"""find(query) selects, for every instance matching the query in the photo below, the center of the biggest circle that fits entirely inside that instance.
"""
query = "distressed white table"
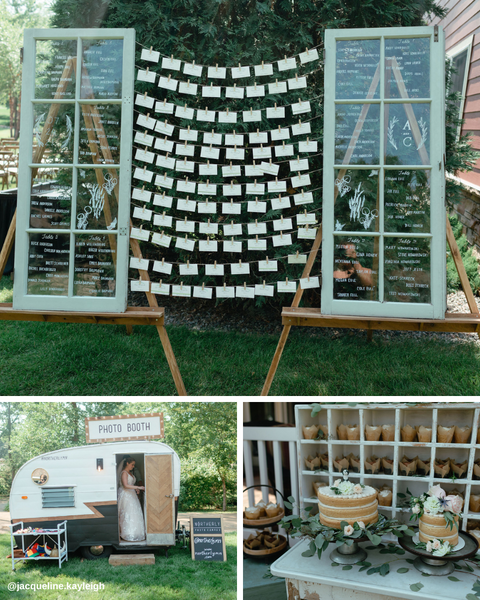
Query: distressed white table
(313, 579)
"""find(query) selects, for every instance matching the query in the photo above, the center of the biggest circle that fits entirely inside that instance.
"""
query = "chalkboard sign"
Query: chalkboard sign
(206, 526)
(207, 539)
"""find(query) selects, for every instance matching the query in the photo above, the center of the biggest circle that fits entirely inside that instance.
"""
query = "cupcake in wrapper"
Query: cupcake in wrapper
(310, 433)
(373, 432)
(385, 498)
(442, 467)
(445, 434)
(252, 513)
(423, 467)
(408, 433)
(474, 504)
(388, 433)
(341, 463)
(408, 466)
(372, 465)
(342, 432)
(272, 510)
(462, 434)
(387, 465)
(424, 434)
(312, 462)
(353, 432)
(324, 429)
(261, 505)
(460, 469)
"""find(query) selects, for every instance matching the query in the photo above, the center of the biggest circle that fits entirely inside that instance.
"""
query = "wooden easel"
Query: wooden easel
(312, 317)
(133, 316)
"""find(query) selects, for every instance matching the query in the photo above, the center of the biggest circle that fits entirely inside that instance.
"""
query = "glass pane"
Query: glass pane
(357, 62)
(407, 201)
(100, 133)
(53, 133)
(355, 268)
(95, 257)
(97, 206)
(407, 134)
(48, 264)
(50, 205)
(407, 68)
(102, 69)
(54, 73)
(357, 134)
(407, 270)
(356, 204)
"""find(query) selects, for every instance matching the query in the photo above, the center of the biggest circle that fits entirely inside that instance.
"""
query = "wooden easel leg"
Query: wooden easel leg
(457, 259)
(129, 329)
(172, 363)
(8, 244)
(369, 335)
(276, 359)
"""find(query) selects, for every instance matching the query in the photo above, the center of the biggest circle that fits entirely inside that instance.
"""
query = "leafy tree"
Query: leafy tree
(15, 16)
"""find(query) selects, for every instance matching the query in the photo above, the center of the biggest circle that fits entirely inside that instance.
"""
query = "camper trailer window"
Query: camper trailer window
(40, 476)
(58, 497)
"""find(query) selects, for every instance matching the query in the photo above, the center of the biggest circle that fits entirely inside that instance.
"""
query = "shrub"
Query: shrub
(470, 262)
(201, 487)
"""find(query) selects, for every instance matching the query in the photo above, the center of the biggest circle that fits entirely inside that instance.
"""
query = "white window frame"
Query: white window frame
(436, 309)
(22, 300)
(465, 44)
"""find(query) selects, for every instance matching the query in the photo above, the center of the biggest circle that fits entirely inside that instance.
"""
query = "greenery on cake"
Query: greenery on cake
(436, 502)
(345, 488)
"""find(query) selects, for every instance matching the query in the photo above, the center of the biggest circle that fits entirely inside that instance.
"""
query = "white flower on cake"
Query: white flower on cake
(337, 482)
(361, 524)
(437, 544)
(346, 487)
(444, 549)
(357, 489)
(432, 506)
(348, 530)
(430, 546)
(416, 509)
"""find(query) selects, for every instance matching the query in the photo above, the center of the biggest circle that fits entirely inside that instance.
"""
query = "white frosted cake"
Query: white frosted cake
(348, 502)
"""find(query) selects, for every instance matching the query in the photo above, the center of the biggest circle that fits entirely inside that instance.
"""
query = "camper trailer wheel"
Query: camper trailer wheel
(95, 552)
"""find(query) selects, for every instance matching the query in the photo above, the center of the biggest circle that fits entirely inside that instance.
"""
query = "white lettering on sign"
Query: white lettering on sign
(127, 427)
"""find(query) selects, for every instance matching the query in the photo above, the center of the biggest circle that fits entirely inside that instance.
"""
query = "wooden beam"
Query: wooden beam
(8, 244)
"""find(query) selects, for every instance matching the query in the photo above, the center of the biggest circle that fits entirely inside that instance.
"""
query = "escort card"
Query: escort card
(207, 152)
(208, 246)
(244, 292)
(279, 87)
(234, 139)
(217, 72)
(225, 292)
(235, 92)
(212, 138)
(255, 189)
(163, 144)
(264, 290)
(160, 288)
(168, 84)
(300, 259)
(140, 286)
(232, 171)
(256, 228)
(286, 286)
(231, 208)
(306, 234)
(214, 270)
(204, 293)
(235, 153)
(145, 101)
(304, 219)
(240, 268)
(269, 168)
(303, 198)
(262, 152)
(277, 112)
(162, 200)
(253, 170)
(297, 83)
(255, 91)
(232, 229)
(161, 239)
(171, 64)
(182, 290)
(259, 137)
(255, 244)
(144, 156)
(186, 205)
(286, 64)
(143, 139)
(146, 121)
(140, 234)
(142, 213)
(251, 116)
(309, 282)
(162, 220)
(162, 267)
(188, 88)
(231, 246)
(164, 107)
(139, 263)
(150, 55)
(240, 72)
(277, 186)
(301, 128)
(192, 69)
(206, 115)
(263, 69)
(307, 146)
(189, 135)
(308, 56)
(211, 91)
(208, 169)
(164, 182)
(164, 128)
(148, 76)
(224, 117)
(286, 150)
(299, 165)
(282, 224)
(205, 208)
(143, 174)
(301, 107)
(207, 189)
(185, 226)
(280, 203)
(257, 207)
(188, 269)
(267, 265)
(185, 149)
(282, 240)
(185, 244)
(300, 180)
(143, 195)
(280, 134)
(232, 190)
(183, 112)
(209, 228)
(185, 166)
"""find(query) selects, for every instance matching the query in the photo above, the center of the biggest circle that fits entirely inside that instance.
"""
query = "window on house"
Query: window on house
(459, 56)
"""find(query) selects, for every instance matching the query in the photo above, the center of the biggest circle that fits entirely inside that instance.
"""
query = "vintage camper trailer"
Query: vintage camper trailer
(80, 484)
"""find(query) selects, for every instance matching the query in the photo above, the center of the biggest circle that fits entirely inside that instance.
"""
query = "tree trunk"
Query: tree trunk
(224, 486)
(75, 422)
(11, 104)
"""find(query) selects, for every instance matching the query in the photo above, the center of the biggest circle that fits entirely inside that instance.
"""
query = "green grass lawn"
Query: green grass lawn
(175, 578)
(72, 359)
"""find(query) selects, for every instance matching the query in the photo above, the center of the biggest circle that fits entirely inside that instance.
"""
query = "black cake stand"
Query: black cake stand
(439, 565)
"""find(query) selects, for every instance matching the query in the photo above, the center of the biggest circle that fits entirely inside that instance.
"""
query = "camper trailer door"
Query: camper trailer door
(160, 502)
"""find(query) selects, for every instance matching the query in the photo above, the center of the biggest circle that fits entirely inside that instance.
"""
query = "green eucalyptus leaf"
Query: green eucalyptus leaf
(288, 505)
(416, 587)
(452, 578)
(403, 570)
(471, 597)
(372, 571)
(347, 568)
(316, 408)
(384, 569)
(334, 564)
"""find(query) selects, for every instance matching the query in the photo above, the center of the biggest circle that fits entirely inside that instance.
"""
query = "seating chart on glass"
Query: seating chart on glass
(384, 225)
(226, 175)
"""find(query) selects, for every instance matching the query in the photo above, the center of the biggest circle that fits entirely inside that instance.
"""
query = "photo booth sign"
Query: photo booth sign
(124, 427)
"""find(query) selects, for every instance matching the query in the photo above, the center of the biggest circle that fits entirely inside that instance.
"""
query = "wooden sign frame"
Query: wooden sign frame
(313, 317)
(154, 315)
(124, 438)
(202, 535)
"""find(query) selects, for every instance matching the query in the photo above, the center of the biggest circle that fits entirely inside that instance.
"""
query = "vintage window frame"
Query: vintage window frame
(466, 44)
(118, 303)
(437, 307)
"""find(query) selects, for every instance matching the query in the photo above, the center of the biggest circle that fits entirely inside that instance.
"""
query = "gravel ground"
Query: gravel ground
(204, 315)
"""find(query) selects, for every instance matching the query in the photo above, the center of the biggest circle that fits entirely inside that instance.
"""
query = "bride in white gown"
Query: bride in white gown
(130, 515)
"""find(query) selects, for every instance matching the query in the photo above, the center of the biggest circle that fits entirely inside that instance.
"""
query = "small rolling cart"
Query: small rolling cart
(56, 537)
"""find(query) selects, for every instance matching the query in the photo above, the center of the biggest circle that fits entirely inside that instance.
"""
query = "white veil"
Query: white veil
(120, 468)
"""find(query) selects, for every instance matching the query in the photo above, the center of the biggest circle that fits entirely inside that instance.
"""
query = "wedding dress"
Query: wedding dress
(130, 515)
